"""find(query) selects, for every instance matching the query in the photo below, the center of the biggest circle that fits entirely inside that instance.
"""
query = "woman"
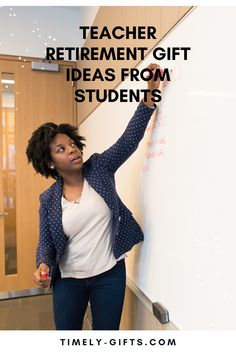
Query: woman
(85, 229)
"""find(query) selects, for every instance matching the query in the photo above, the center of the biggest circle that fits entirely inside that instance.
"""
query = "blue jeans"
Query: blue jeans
(105, 292)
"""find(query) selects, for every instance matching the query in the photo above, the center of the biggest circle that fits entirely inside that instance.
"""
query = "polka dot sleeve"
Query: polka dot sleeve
(45, 250)
(118, 153)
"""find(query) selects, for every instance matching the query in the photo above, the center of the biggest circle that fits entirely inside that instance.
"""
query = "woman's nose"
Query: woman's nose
(72, 149)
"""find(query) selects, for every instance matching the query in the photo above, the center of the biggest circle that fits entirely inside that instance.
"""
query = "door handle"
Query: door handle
(3, 214)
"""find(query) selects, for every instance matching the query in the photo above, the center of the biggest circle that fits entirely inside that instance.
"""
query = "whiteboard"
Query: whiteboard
(180, 183)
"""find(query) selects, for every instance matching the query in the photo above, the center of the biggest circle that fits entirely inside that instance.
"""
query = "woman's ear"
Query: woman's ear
(51, 165)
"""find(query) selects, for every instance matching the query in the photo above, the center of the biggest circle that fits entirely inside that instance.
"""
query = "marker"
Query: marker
(44, 275)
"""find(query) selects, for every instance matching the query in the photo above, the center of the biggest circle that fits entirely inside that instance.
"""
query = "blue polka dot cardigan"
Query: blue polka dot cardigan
(99, 171)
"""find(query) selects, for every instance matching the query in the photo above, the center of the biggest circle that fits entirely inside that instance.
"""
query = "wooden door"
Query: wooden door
(27, 99)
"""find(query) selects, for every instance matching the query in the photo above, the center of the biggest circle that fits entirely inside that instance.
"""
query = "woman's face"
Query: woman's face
(65, 155)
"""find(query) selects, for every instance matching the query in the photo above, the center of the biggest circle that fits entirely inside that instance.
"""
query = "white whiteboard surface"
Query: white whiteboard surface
(181, 182)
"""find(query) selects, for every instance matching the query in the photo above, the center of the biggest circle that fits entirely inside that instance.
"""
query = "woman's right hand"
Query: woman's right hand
(39, 276)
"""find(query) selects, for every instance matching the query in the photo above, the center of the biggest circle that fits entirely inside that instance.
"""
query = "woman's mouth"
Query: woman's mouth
(76, 159)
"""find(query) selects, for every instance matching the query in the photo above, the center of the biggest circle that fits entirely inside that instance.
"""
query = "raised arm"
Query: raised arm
(118, 153)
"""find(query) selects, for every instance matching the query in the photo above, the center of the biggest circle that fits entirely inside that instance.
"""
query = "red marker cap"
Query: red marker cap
(44, 275)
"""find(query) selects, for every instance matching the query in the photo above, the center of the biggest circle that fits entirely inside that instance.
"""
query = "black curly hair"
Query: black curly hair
(38, 148)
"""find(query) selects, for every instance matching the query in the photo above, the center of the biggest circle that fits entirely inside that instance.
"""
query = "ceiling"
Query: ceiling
(27, 30)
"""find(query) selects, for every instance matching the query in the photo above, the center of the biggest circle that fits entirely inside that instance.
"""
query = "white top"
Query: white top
(88, 226)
